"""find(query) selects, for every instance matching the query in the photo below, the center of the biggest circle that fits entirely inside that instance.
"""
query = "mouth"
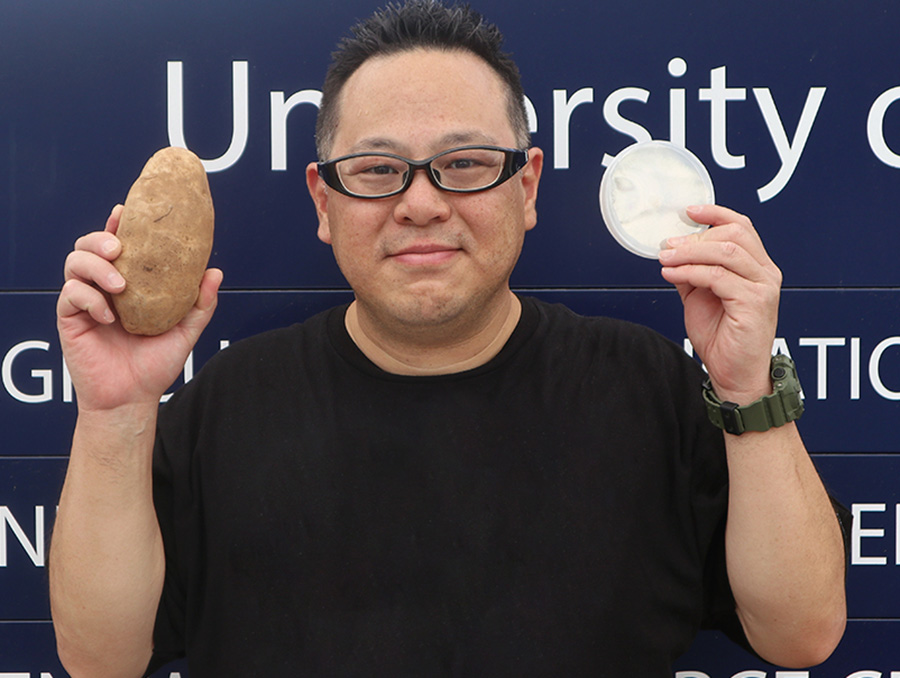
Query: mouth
(425, 254)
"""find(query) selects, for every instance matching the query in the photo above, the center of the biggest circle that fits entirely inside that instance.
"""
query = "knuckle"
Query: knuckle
(777, 275)
(766, 294)
(74, 287)
(70, 296)
(83, 242)
(730, 249)
(75, 262)
(742, 228)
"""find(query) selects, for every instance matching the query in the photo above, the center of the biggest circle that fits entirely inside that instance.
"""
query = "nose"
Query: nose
(422, 203)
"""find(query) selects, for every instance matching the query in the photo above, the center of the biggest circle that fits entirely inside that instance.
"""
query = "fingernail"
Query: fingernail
(109, 246)
(677, 240)
(108, 316)
(666, 254)
(115, 279)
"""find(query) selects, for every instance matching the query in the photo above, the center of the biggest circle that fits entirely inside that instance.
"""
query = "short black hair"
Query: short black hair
(419, 24)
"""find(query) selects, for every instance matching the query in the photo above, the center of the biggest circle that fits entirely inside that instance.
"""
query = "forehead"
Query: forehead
(420, 102)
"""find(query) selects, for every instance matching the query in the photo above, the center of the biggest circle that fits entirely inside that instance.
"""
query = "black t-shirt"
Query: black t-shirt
(558, 511)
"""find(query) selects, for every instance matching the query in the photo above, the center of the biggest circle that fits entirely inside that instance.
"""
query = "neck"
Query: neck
(448, 356)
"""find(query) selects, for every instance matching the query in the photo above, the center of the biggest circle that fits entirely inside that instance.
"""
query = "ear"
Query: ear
(318, 191)
(531, 177)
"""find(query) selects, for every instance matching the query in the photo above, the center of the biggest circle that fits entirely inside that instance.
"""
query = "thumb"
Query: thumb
(199, 316)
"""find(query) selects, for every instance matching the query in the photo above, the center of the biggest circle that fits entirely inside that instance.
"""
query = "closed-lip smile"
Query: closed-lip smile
(428, 253)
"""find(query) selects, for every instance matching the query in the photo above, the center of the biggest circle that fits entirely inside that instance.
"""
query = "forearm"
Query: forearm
(784, 549)
(106, 558)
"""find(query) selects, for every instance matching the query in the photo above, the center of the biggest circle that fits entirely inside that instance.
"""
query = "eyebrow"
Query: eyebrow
(447, 141)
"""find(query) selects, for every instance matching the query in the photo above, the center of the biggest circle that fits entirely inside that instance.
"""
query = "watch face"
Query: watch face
(644, 193)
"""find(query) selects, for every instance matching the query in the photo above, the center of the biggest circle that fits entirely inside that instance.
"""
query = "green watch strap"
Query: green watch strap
(779, 408)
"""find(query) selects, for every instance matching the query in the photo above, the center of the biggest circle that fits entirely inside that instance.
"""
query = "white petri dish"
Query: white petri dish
(644, 193)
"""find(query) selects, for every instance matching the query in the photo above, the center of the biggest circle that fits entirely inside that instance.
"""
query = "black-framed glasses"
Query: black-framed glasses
(466, 169)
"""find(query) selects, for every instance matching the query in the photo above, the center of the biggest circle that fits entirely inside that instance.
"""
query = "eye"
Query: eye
(379, 169)
(470, 160)
(371, 166)
(372, 175)
(462, 163)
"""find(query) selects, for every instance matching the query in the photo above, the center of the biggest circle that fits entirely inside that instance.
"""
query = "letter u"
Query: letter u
(240, 113)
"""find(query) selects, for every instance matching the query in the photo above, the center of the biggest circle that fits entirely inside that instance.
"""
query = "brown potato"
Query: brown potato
(166, 230)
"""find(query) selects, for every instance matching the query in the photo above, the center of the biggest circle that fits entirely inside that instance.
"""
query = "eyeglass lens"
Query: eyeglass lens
(463, 169)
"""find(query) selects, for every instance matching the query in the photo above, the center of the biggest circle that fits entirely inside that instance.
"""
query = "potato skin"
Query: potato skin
(166, 231)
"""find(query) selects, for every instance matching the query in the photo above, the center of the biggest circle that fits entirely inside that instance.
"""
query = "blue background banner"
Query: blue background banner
(794, 110)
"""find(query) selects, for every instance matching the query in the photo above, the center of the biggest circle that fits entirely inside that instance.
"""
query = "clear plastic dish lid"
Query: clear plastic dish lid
(644, 193)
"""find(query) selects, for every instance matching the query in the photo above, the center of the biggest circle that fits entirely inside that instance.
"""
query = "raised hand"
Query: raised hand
(109, 366)
(730, 289)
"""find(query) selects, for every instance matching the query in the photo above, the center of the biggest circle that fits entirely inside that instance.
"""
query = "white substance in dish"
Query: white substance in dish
(645, 195)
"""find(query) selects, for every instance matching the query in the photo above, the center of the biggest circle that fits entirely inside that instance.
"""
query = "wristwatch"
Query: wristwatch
(784, 405)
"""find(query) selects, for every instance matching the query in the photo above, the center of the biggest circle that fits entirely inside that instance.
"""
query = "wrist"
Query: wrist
(118, 436)
(127, 416)
(780, 405)
(753, 382)
(742, 396)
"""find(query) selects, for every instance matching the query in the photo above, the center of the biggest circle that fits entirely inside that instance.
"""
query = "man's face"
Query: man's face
(426, 257)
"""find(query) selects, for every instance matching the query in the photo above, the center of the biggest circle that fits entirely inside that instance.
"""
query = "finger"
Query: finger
(77, 297)
(89, 268)
(209, 289)
(725, 254)
(112, 222)
(731, 225)
(742, 235)
(207, 300)
(737, 245)
(102, 243)
(724, 284)
(715, 215)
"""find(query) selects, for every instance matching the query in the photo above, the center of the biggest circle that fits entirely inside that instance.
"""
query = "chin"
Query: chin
(430, 312)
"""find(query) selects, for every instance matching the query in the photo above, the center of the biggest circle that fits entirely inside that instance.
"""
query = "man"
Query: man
(454, 480)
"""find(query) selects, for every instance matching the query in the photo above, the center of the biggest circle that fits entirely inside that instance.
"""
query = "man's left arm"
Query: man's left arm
(784, 548)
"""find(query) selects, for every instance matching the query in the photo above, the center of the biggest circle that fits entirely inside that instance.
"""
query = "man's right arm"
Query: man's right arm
(106, 559)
